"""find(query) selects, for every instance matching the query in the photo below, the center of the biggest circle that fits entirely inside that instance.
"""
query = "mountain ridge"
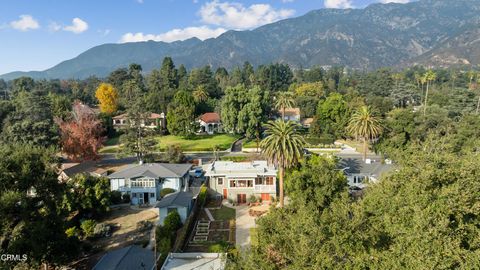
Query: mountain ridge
(428, 32)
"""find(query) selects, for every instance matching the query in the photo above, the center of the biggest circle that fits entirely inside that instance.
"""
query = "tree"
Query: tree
(283, 147)
(284, 100)
(81, 134)
(61, 105)
(428, 77)
(331, 117)
(31, 220)
(108, 98)
(232, 103)
(89, 195)
(200, 95)
(180, 116)
(174, 154)
(251, 116)
(365, 125)
(31, 121)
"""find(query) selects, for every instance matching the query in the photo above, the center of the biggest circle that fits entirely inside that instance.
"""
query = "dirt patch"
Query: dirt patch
(124, 220)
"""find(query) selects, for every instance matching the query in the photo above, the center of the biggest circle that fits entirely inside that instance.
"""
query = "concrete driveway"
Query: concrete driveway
(243, 224)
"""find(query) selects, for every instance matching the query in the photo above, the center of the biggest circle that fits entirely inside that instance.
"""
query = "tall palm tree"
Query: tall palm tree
(364, 125)
(284, 100)
(283, 147)
(200, 94)
(428, 77)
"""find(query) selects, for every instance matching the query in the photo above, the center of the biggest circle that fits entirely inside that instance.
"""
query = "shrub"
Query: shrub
(202, 195)
(174, 154)
(166, 191)
(219, 247)
(252, 199)
(102, 230)
(72, 232)
(116, 197)
(144, 225)
(172, 222)
(88, 228)
(125, 198)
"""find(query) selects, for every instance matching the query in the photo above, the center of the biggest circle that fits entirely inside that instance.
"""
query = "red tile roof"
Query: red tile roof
(210, 117)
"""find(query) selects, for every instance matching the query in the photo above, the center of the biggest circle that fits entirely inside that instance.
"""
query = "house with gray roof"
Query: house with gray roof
(360, 172)
(179, 201)
(127, 258)
(143, 182)
(238, 181)
(197, 261)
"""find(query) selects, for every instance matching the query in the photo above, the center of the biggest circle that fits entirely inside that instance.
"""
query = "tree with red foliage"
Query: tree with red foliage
(81, 134)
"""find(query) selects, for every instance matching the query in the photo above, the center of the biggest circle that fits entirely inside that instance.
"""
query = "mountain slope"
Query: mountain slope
(436, 32)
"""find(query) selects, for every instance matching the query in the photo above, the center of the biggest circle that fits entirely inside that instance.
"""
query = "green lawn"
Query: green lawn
(224, 213)
(253, 237)
(197, 143)
(112, 145)
(250, 144)
(112, 141)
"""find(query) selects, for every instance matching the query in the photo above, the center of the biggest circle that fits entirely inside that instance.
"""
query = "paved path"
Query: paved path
(209, 215)
(243, 224)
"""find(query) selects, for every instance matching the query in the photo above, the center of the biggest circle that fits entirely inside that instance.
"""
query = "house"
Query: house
(291, 114)
(179, 201)
(127, 258)
(237, 181)
(68, 170)
(210, 123)
(197, 261)
(154, 120)
(143, 182)
(306, 122)
(359, 172)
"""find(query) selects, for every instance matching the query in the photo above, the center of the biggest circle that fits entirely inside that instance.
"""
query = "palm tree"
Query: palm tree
(428, 77)
(200, 94)
(365, 125)
(283, 147)
(284, 100)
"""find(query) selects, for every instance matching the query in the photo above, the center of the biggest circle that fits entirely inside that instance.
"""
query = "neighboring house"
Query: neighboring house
(68, 170)
(197, 261)
(359, 173)
(127, 258)
(179, 201)
(291, 114)
(154, 120)
(306, 122)
(239, 180)
(143, 182)
(210, 123)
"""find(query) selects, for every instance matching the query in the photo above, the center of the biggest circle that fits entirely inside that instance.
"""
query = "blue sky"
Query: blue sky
(37, 34)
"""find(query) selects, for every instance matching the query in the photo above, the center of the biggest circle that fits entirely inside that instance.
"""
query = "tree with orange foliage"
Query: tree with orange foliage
(108, 97)
(81, 134)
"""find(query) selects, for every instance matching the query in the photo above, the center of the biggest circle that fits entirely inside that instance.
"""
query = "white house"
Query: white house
(143, 182)
(153, 120)
(197, 261)
(291, 114)
(179, 201)
(239, 180)
(359, 172)
(210, 123)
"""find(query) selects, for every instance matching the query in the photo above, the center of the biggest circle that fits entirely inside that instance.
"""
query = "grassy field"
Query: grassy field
(198, 143)
(224, 213)
(112, 145)
(253, 237)
(250, 144)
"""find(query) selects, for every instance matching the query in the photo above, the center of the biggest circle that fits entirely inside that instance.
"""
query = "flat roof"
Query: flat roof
(240, 169)
(197, 261)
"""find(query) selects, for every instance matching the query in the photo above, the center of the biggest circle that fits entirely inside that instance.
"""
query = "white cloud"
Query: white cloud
(78, 26)
(201, 32)
(25, 23)
(104, 32)
(394, 1)
(236, 16)
(54, 27)
(338, 4)
(140, 1)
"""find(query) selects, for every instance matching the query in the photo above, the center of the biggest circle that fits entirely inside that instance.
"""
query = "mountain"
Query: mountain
(430, 32)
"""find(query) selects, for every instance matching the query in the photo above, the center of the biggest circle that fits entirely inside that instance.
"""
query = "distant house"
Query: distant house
(179, 201)
(127, 258)
(154, 120)
(359, 172)
(143, 182)
(210, 123)
(306, 122)
(292, 114)
(197, 261)
(239, 180)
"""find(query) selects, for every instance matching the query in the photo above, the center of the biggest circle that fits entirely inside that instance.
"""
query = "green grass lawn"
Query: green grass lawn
(250, 144)
(112, 141)
(197, 143)
(112, 145)
(253, 237)
(224, 213)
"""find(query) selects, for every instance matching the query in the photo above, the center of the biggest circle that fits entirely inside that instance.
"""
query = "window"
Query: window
(233, 183)
(259, 181)
(241, 183)
(220, 181)
(269, 180)
(134, 195)
(152, 195)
